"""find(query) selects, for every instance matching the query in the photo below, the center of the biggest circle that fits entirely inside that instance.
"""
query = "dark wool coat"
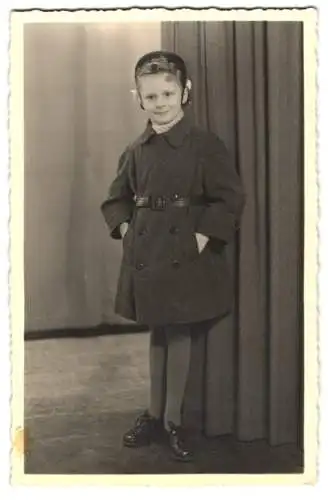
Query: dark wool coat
(163, 277)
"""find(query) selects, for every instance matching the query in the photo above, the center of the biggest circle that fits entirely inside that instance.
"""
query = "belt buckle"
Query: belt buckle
(159, 203)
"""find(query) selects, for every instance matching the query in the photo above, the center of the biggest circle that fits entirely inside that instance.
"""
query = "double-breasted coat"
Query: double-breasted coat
(164, 279)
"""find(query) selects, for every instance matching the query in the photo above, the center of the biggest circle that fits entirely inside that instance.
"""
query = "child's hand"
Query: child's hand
(123, 228)
(201, 241)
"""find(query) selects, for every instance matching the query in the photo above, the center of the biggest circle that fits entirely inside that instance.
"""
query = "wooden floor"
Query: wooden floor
(82, 394)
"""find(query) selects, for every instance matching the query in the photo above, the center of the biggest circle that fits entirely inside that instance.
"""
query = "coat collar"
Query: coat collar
(175, 136)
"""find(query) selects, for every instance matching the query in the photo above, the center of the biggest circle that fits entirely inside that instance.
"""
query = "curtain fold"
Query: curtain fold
(79, 115)
(285, 117)
(247, 87)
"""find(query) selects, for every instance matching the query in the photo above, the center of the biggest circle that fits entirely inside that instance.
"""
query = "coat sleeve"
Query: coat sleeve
(224, 194)
(119, 205)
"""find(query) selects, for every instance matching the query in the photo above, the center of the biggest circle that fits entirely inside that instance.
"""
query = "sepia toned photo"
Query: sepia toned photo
(163, 246)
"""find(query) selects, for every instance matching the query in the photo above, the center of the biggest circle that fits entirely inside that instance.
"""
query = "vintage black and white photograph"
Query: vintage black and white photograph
(167, 178)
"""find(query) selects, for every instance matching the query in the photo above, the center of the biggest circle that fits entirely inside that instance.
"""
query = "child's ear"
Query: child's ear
(140, 101)
(137, 97)
(185, 96)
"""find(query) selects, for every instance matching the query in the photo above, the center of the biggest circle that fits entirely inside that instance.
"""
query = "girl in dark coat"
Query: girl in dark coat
(176, 202)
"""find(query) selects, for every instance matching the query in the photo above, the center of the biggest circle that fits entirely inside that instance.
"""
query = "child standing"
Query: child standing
(176, 202)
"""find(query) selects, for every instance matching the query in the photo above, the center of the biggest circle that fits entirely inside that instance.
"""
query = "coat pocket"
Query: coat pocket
(190, 245)
(216, 246)
(126, 240)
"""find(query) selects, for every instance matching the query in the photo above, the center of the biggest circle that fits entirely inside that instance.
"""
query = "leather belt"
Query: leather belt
(162, 202)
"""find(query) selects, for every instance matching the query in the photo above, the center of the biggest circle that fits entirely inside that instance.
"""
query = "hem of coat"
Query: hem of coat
(214, 318)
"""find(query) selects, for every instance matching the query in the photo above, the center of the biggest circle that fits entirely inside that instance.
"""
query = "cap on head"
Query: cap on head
(162, 61)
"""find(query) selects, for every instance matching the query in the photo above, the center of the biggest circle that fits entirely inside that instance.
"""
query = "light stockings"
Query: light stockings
(157, 369)
(169, 366)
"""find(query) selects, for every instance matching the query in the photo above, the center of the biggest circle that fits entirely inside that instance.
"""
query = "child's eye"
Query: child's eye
(150, 97)
(168, 94)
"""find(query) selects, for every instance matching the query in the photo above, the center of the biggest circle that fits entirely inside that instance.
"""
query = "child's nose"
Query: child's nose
(160, 102)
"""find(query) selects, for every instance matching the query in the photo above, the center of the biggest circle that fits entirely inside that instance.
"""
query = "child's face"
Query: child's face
(160, 95)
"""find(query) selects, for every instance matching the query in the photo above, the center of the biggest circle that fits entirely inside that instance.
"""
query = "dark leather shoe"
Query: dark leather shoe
(146, 430)
(177, 444)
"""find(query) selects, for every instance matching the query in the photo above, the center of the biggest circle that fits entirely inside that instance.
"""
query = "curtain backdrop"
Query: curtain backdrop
(247, 81)
(79, 114)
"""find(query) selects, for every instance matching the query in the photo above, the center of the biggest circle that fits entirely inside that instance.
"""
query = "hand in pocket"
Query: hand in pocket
(201, 241)
(123, 228)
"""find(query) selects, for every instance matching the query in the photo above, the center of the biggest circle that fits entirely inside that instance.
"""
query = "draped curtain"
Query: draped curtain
(79, 115)
(246, 377)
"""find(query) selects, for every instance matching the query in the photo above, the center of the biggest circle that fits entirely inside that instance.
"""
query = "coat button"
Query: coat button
(142, 232)
(174, 229)
(140, 266)
(176, 263)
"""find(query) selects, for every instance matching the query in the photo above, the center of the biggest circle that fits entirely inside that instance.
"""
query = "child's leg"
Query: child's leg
(148, 426)
(178, 359)
(157, 365)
